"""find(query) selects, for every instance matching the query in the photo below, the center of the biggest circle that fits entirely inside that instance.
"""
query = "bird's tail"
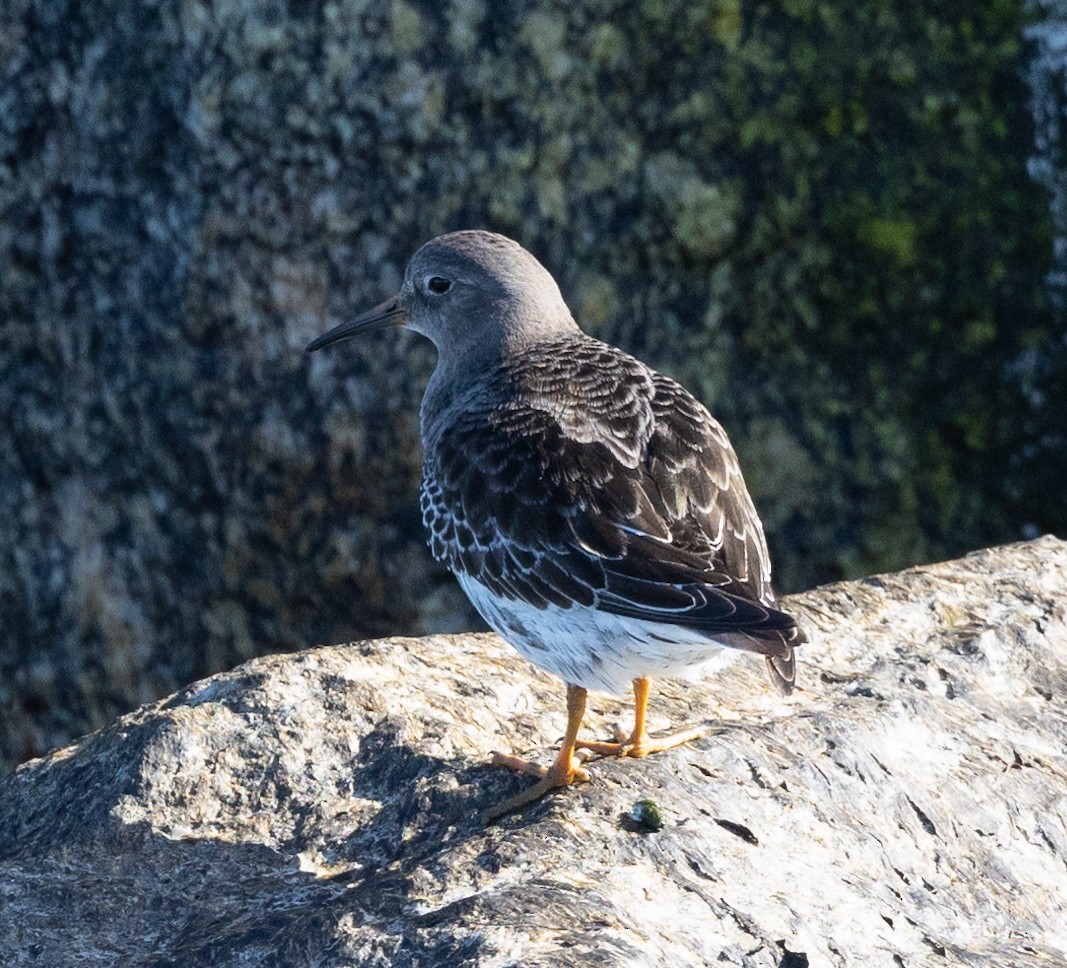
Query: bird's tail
(781, 666)
(782, 671)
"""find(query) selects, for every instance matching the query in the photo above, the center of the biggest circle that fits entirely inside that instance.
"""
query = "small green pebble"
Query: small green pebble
(648, 814)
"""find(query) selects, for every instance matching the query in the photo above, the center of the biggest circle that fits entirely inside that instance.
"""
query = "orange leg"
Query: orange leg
(639, 743)
(564, 771)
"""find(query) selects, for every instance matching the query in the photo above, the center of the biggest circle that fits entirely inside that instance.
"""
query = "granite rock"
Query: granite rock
(906, 806)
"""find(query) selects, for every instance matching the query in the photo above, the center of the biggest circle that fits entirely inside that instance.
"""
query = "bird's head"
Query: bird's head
(474, 294)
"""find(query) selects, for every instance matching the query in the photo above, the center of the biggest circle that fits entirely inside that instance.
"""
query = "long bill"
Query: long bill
(383, 316)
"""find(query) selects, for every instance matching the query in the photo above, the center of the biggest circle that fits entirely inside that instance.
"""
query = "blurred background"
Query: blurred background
(844, 226)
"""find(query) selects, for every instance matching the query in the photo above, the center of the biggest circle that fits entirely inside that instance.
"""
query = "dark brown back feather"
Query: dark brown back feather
(576, 475)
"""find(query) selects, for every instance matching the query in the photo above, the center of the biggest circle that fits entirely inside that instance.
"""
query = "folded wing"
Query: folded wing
(633, 503)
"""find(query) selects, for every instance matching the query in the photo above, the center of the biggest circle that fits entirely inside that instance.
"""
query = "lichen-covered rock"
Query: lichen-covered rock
(818, 217)
(904, 807)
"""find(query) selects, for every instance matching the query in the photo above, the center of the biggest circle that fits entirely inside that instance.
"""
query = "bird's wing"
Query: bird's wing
(620, 493)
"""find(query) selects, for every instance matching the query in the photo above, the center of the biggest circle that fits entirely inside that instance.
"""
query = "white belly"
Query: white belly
(595, 649)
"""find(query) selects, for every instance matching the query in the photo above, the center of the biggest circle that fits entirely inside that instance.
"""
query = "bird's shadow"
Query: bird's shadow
(429, 803)
(225, 896)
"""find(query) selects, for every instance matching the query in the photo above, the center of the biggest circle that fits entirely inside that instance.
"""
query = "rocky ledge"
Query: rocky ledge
(907, 806)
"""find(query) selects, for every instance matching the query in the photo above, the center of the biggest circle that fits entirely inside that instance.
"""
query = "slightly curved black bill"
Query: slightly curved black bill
(384, 315)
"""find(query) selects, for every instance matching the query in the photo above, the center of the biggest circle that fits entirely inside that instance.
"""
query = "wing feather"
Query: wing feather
(632, 502)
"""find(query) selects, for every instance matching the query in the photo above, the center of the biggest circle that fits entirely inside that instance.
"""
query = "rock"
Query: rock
(905, 807)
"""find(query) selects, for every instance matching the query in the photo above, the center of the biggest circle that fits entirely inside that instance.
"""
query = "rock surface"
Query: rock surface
(906, 807)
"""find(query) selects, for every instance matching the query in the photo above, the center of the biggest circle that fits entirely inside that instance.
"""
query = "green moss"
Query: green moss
(896, 239)
(607, 46)
(727, 22)
(597, 304)
(544, 34)
(407, 29)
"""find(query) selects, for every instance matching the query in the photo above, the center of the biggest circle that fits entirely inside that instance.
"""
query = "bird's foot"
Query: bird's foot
(641, 744)
(560, 774)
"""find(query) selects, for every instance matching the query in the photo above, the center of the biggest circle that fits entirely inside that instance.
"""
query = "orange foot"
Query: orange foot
(637, 742)
(563, 772)
(560, 774)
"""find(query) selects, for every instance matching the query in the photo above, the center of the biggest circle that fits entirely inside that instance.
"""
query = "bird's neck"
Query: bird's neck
(465, 366)
(458, 374)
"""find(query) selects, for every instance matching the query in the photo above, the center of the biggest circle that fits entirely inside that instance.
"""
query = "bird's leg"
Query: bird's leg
(565, 770)
(639, 743)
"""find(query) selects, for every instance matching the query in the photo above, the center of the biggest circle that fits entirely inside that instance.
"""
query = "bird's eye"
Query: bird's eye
(439, 284)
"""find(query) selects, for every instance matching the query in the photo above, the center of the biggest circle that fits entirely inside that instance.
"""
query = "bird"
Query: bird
(592, 510)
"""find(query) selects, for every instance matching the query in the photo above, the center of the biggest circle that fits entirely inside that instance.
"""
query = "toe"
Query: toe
(518, 763)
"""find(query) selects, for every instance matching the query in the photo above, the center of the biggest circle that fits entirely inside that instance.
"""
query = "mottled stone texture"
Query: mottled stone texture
(191, 190)
(905, 807)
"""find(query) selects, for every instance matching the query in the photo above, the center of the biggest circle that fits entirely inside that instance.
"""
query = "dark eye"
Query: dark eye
(439, 284)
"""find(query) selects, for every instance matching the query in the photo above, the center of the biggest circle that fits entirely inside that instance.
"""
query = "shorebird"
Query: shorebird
(591, 508)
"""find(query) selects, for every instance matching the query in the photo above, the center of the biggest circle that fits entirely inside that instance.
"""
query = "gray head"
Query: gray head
(477, 295)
